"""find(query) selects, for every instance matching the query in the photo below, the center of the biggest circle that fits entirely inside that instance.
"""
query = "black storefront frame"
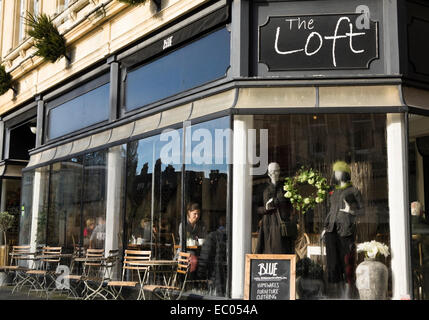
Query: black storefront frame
(216, 20)
(214, 116)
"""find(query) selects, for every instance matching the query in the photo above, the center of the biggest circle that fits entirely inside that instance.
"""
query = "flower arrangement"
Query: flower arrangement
(306, 189)
(373, 249)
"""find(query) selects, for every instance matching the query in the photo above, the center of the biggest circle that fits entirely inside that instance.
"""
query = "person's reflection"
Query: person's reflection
(98, 235)
(144, 231)
(87, 232)
(212, 261)
(420, 247)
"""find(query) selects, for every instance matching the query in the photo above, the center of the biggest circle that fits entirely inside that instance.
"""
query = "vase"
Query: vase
(371, 280)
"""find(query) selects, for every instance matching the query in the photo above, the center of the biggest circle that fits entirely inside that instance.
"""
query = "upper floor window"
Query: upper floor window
(82, 107)
(23, 7)
(195, 64)
(62, 5)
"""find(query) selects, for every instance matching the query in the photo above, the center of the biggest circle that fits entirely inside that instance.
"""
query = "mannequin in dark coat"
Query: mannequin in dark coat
(276, 208)
(345, 204)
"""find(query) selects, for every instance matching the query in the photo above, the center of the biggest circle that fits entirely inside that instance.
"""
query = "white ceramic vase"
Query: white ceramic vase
(371, 280)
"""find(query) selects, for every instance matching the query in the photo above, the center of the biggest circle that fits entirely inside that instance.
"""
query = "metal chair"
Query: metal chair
(133, 262)
(19, 253)
(97, 286)
(179, 281)
(49, 261)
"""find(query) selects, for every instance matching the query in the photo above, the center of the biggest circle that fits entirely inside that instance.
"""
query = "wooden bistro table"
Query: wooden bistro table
(160, 269)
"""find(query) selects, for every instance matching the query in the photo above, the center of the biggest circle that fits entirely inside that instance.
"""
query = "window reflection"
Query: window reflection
(206, 179)
(419, 197)
(197, 63)
(72, 202)
(153, 209)
(324, 242)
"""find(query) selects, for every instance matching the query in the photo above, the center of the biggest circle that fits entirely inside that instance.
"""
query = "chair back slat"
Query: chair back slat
(134, 259)
(51, 251)
(94, 254)
(183, 264)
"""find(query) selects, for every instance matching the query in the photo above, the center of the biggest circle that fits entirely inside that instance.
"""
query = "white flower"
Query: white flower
(373, 248)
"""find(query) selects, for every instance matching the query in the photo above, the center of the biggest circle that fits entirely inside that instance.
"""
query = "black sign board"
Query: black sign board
(270, 277)
(318, 42)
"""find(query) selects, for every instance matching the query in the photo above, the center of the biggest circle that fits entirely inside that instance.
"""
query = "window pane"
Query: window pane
(419, 198)
(73, 212)
(206, 185)
(80, 112)
(94, 200)
(195, 64)
(326, 267)
(64, 215)
(11, 193)
(154, 194)
(26, 208)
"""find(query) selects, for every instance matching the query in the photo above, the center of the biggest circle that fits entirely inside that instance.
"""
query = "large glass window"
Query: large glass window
(349, 151)
(155, 212)
(72, 202)
(206, 185)
(26, 208)
(419, 199)
(197, 63)
(85, 110)
(154, 193)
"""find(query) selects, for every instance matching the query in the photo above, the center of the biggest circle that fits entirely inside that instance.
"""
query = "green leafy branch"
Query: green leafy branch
(50, 44)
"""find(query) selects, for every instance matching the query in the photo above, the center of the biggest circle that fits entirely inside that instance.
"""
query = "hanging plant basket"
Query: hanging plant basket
(5, 81)
(306, 189)
(50, 44)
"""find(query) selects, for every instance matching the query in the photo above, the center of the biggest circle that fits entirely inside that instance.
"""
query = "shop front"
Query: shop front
(185, 140)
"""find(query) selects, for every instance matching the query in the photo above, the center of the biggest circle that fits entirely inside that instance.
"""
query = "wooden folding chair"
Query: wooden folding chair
(49, 261)
(96, 262)
(133, 262)
(179, 281)
(19, 253)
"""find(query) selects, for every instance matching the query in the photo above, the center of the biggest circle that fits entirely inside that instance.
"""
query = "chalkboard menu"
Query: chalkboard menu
(270, 277)
(318, 42)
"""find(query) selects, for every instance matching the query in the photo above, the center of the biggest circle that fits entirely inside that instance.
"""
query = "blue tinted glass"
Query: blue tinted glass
(83, 111)
(195, 64)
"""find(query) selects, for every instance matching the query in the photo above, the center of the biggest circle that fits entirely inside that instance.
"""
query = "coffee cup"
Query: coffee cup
(201, 241)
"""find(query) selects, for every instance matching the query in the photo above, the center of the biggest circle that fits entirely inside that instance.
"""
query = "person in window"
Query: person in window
(98, 235)
(212, 260)
(194, 228)
(87, 232)
(144, 230)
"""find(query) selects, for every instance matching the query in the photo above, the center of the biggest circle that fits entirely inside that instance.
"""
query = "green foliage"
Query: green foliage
(5, 80)
(6, 221)
(50, 44)
(306, 179)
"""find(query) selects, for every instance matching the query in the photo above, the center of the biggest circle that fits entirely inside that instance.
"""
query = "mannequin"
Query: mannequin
(278, 230)
(345, 203)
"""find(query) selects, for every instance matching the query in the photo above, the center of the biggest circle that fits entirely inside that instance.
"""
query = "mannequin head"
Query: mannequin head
(416, 209)
(342, 172)
(274, 172)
